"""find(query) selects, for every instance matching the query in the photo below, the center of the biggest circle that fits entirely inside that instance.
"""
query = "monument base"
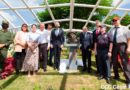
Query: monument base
(73, 66)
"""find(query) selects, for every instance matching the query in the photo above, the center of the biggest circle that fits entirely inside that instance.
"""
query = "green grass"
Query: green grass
(52, 80)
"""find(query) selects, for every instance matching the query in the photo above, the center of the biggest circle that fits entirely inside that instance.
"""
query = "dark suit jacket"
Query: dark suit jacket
(83, 40)
(57, 40)
(95, 37)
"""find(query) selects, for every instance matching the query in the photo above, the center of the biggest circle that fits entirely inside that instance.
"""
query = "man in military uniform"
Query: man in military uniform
(120, 37)
(102, 47)
(6, 38)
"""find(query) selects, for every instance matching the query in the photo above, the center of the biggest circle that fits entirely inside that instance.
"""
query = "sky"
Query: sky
(28, 16)
(125, 4)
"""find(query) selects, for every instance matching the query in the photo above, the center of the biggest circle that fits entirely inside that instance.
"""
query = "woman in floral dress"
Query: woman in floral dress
(31, 60)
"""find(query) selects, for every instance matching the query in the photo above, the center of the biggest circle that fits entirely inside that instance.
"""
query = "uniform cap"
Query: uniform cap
(5, 22)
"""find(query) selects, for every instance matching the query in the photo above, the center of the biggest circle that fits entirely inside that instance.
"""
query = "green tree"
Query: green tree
(125, 21)
(79, 12)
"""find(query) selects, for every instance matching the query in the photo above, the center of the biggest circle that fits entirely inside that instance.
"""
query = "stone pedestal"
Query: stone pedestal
(73, 66)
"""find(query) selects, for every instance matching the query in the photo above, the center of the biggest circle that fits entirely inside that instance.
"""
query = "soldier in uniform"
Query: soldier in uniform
(6, 38)
(102, 47)
(120, 45)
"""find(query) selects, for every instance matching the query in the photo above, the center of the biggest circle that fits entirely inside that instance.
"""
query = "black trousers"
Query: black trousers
(57, 53)
(43, 56)
(103, 62)
(86, 56)
(19, 58)
(97, 61)
(50, 56)
(120, 49)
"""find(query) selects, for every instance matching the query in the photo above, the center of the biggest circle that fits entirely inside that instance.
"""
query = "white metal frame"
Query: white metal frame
(71, 19)
(71, 14)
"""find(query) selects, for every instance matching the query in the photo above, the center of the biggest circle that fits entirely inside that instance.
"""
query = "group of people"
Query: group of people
(31, 48)
(111, 48)
(37, 43)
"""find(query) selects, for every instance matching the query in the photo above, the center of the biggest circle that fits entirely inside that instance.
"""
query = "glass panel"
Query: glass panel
(118, 12)
(106, 2)
(2, 4)
(43, 15)
(16, 3)
(58, 1)
(82, 13)
(124, 4)
(10, 15)
(78, 25)
(93, 2)
(28, 16)
(64, 25)
(114, 13)
(100, 14)
(126, 20)
(61, 12)
(34, 2)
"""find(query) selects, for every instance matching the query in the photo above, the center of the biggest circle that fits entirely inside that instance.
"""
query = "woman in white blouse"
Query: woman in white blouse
(31, 60)
(20, 46)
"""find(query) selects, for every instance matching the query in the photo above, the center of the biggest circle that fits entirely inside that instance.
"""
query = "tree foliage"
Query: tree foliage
(125, 21)
(79, 12)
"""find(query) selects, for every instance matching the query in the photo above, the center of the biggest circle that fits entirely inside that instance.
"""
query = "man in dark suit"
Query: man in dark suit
(57, 41)
(86, 44)
(96, 33)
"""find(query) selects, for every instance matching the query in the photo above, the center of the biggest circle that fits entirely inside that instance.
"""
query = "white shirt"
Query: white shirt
(57, 32)
(49, 36)
(33, 37)
(44, 36)
(123, 33)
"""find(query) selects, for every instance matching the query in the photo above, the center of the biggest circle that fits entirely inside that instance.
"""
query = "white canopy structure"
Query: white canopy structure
(17, 12)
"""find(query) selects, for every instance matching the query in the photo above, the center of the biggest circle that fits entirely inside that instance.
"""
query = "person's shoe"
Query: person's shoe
(84, 69)
(17, 72)
(117, 78)
(50, 64)
(89, 71)
(100, 77)
(36, 71)
(76, 63)
(108, 80)
(45, 70)
(67, 67)
(54, 67)
(58, 69)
